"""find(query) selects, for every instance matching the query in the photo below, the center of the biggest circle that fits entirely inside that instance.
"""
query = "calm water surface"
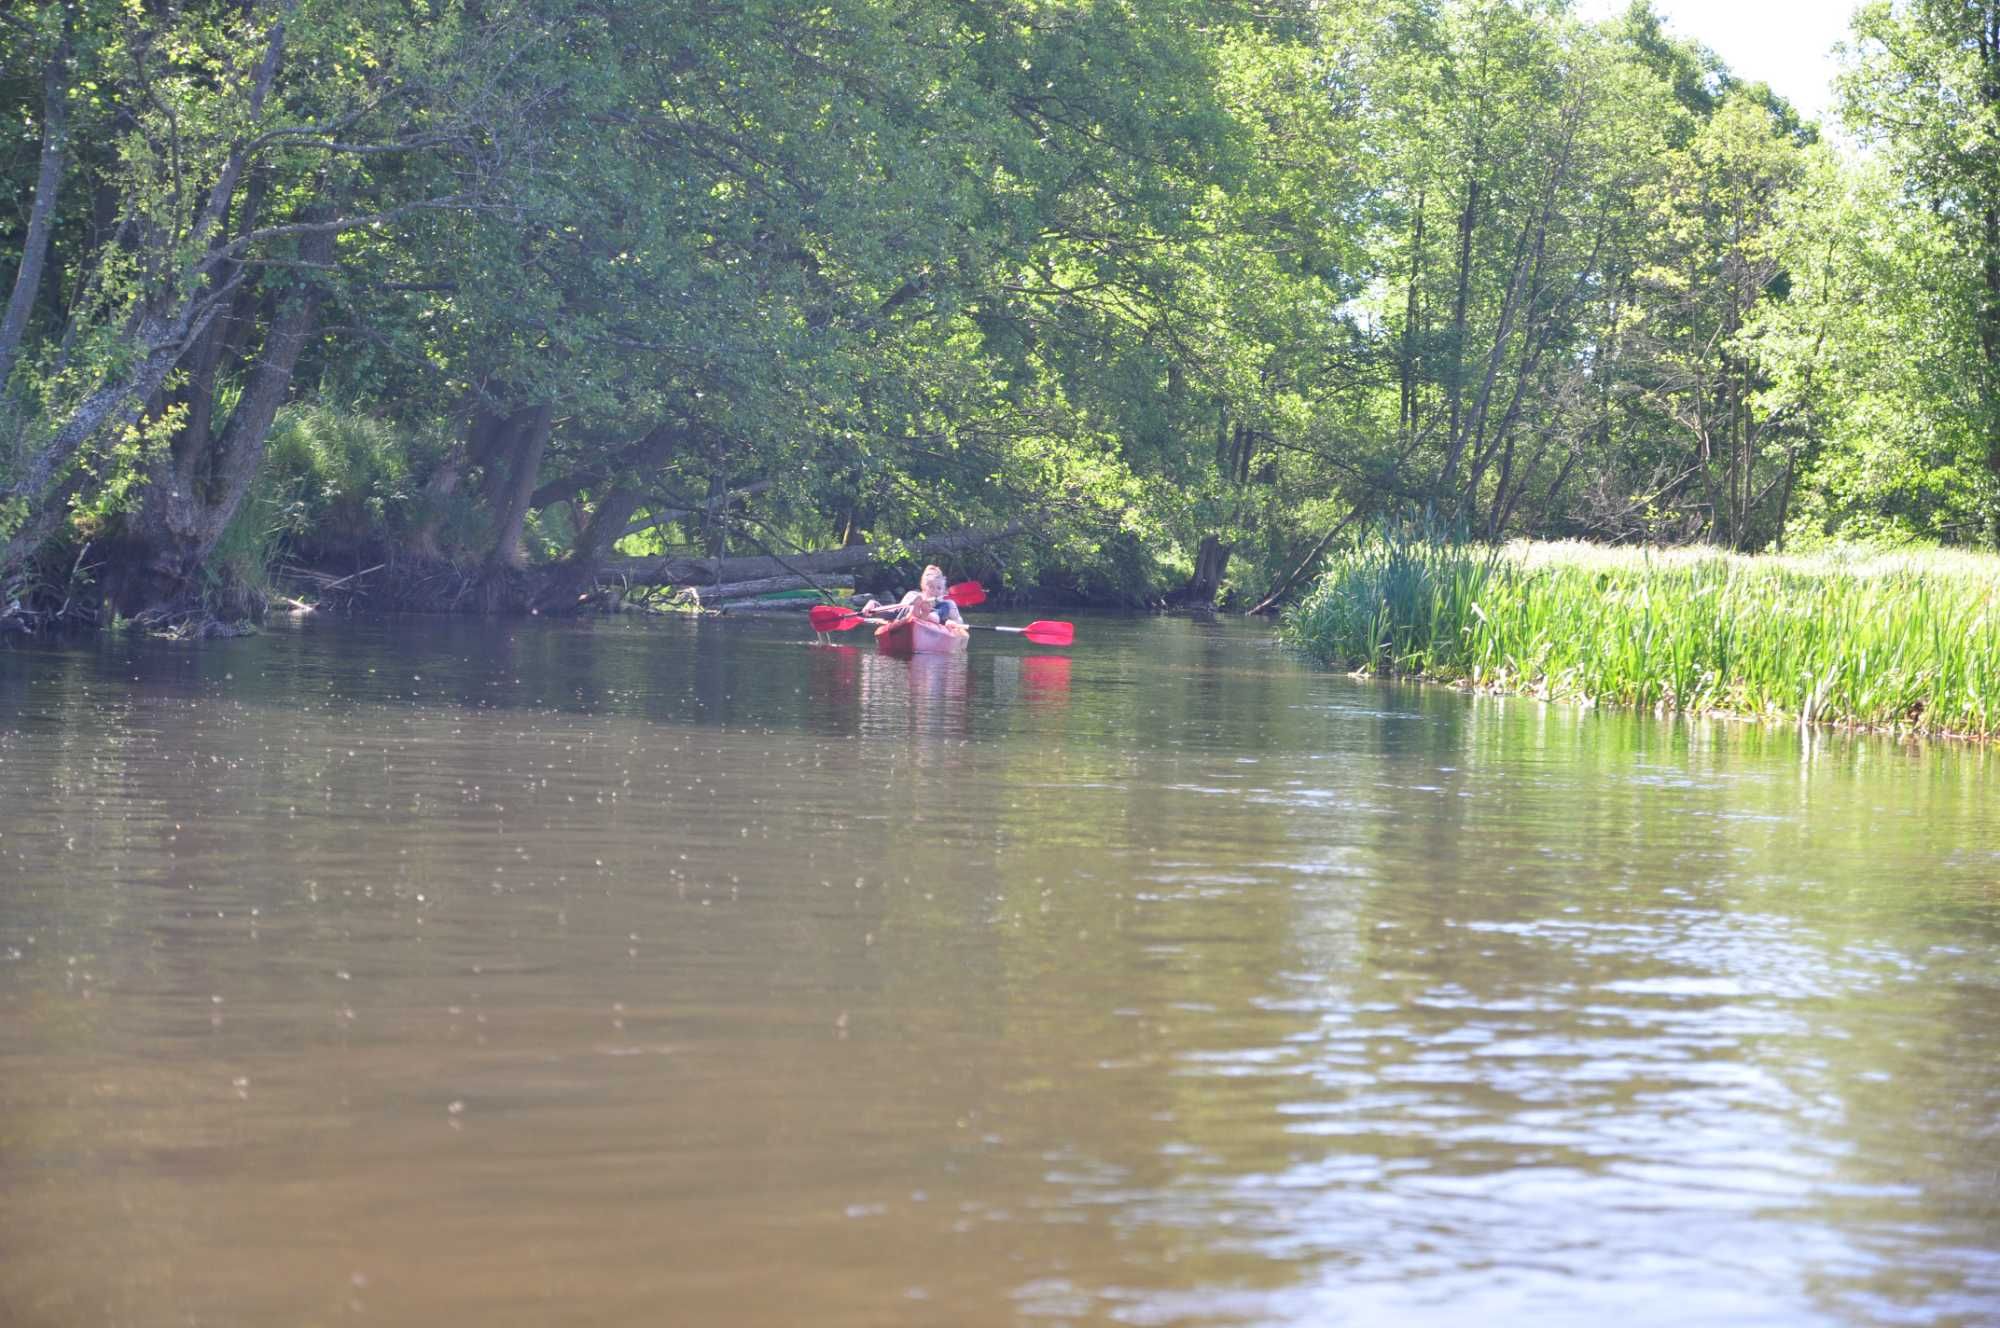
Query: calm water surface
(636, 973)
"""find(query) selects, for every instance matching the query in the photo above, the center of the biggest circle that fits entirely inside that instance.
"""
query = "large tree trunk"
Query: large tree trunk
(475, 449)
(159, 344)
(1412, 316)
(1989, 303)
(1234, 446)
(1525, 291)
(42, 212)
(194, 493)
(1211, 562)
(437, 495)
(1468, 224)
(159, 335)
(571, 582)
(523, 463)
(1785, 496)
(222, 346)
(1989, 344)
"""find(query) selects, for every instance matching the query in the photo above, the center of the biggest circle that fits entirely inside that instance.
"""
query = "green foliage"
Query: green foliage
(342, 477)
(1173, 288)
(1923, 87)
(1874, 362)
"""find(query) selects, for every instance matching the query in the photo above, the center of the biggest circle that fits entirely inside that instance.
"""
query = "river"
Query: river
(636, 972)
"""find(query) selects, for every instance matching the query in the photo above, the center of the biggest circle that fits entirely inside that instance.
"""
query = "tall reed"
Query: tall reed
(1908, 642)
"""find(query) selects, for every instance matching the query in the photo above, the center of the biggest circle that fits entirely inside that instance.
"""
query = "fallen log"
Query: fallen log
(762, 585)
(673, 571)
(1270, 601)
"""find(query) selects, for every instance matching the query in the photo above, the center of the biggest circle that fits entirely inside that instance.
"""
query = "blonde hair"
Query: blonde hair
(924, 581)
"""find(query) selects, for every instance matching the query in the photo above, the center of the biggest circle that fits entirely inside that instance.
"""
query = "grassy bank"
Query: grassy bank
(1907, 642)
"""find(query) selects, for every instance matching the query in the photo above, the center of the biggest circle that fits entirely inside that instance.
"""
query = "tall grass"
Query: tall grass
(1907, 641)
(334, 475)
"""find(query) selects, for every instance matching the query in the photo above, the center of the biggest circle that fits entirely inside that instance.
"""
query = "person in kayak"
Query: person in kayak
(927, 603)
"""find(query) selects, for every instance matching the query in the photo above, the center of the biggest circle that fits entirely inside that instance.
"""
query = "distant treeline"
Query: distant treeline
(515, 298)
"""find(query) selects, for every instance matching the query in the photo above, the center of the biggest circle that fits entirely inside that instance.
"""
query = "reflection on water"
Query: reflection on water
(623, 972)
(923, 696)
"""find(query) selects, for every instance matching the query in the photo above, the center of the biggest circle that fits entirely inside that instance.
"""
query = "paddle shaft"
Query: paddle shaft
(1041, 633)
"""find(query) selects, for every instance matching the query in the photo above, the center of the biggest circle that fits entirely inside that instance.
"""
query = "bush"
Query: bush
(1907, 641)
(335, 477)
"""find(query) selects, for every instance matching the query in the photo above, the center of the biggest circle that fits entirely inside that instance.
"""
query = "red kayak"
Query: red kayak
(910, 637)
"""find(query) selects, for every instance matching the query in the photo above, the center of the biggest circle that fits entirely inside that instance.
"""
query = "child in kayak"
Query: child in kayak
(927, 603)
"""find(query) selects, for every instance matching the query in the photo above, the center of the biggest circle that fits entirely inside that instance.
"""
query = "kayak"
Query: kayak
(910, 637)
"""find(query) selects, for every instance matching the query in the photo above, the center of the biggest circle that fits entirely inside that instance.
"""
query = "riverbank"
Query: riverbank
(1905, 642)
(376, 578)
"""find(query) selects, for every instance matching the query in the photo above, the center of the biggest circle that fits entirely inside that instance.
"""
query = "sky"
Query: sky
(1786, 43)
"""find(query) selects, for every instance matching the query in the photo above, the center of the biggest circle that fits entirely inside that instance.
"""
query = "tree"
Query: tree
(236, 146)
(1522, 144)
(1924, 87)
(1872, 362)
(1712, 256)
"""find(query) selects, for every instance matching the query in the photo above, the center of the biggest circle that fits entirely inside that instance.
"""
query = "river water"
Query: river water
(635, 972)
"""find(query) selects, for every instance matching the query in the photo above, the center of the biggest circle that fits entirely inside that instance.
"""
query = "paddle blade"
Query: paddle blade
(1051, 633)
(966, 594)
(830, 618)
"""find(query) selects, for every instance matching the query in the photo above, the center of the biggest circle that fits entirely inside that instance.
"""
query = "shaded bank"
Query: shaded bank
(1907, 643)
(82, 586)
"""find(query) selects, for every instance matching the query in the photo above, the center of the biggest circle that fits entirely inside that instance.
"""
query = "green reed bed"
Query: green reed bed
(1907, 641)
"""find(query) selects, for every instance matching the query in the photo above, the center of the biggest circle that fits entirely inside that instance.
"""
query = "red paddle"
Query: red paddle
(831, 618)
(827, 618)
(1041, 633)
